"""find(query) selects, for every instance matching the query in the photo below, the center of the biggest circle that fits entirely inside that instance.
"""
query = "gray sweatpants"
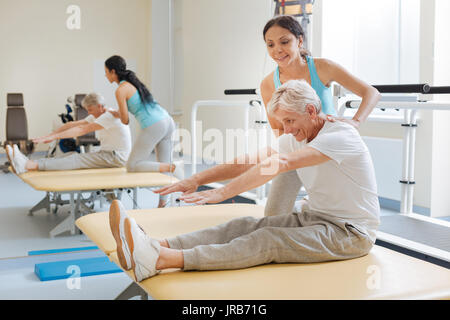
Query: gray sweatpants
(90, 160)
(283, 193)
(288, 238)
(156, 137)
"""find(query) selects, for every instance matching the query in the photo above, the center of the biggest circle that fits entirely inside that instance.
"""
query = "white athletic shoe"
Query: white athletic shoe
(144, 251)
(117, 216)
(179, 169)
(18, 164)
(10, 155)
(18, 153)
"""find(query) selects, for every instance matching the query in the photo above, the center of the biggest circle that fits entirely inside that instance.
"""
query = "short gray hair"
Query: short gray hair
(294, 96)
(93, 99)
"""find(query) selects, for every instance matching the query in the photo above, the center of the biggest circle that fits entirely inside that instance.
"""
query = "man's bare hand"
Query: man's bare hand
(44, 139)
(207, 196)
(185, 186)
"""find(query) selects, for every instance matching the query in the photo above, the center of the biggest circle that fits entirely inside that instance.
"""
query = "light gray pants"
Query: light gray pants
(288, 238)
(283, 192)
(156, 137)
(90, 160)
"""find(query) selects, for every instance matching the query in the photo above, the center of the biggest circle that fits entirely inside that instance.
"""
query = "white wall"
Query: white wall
(363, 36)
(409, 41)
(47, 62)
(376, 40)
(161, 84)
(219, 45)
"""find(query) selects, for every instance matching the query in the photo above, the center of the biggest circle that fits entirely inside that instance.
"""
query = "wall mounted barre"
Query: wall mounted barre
(240, 91)
(423, 88)
(410, 124)
(440, 90)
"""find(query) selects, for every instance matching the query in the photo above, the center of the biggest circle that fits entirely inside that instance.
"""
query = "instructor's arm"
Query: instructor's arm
(121, 98)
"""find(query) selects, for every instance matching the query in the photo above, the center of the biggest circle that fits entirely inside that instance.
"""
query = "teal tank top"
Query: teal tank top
(145, 114)
(322, 91)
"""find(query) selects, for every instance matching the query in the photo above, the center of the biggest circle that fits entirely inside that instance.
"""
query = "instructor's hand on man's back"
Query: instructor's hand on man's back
(115, 113)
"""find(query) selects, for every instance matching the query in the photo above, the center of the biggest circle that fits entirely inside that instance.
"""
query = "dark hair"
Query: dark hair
(118, 64)
(289, 23)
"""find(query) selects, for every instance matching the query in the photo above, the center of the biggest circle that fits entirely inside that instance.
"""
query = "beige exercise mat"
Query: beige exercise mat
(165, 222)
(93, 179)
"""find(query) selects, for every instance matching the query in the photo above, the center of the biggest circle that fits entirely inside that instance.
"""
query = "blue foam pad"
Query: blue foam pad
(39, 252)
(75, 268)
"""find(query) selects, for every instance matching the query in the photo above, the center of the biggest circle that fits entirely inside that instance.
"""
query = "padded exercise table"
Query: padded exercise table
(95, 181)
(382, 274)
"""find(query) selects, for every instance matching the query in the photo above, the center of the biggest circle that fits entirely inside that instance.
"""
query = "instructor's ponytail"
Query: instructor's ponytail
(118, 64)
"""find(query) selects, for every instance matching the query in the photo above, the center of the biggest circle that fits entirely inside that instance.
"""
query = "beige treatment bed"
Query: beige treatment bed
(97, 182)
(382, 274)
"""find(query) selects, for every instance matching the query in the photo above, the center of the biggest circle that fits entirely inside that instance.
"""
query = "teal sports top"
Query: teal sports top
(145, 113)
(322, 91)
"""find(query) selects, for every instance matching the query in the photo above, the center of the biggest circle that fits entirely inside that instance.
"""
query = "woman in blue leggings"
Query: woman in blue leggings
(156, 123)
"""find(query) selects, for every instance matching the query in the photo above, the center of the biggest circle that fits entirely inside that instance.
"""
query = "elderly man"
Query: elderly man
(338, 221)
(115, 142)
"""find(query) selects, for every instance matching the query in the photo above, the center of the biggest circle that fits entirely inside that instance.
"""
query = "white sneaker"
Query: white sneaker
(18, 163)
(179, 169)
(117, 216)
(18, 153)
(144, 251)
(10, 155)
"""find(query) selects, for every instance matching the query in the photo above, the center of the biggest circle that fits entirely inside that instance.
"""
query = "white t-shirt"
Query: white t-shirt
(344, 186)
(115, 136)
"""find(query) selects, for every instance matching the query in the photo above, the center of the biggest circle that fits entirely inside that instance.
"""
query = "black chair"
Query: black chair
(17, 125)
(88, 139)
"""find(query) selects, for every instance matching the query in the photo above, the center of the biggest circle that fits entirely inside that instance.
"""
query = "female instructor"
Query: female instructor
(283, 36)
(156, 123)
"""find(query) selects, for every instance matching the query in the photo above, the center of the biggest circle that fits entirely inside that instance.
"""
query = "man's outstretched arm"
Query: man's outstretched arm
(226, 171)
(259, 175)
(72, 132)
